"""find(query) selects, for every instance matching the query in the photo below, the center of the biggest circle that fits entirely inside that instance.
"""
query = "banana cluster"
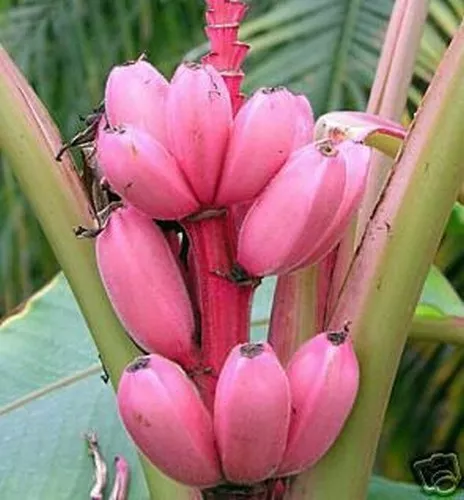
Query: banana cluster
(267, 421)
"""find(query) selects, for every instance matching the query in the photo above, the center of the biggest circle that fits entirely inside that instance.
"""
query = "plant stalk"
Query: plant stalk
(388, 273)
(449, 329)
(390, 89)
(293, 320)
(387, 99)
(223, 301)
(30, 141)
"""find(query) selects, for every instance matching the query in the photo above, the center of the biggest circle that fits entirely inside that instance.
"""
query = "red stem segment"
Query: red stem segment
(223, 19)
(224, 305)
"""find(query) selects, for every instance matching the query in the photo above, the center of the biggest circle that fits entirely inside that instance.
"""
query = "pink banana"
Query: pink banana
(266, 130)
(251, 413)
(324, 377)
(356, 165)
(145, 285)
(304, 210)
(136, 94)
(296, 205)
(199, 118)
(165, 416)
(141, 170)
(304, 126)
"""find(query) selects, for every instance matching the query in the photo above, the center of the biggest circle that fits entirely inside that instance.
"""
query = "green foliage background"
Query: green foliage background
(327, 49)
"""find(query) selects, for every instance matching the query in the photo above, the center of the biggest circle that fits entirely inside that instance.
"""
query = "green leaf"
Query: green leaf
(456, 221)
(384, 489)
(327, 49)
(439, 297)
(261, 312)
(52, 393)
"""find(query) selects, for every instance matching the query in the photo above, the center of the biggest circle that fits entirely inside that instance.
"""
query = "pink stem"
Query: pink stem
(387, 99)
(227, 54)
(224, 304)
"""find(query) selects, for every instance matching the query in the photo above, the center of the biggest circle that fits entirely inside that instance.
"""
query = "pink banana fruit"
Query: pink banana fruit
(145, 285)
(135, 94)
(295, 206)
(305, 209)
(266, 130)
(251, 413)
(143, 172)
(356, 164)
(304, 126)
(324, 378)
(199, 119)
(165, 416)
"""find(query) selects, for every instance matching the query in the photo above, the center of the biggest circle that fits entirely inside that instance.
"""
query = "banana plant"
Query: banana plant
(190, 198)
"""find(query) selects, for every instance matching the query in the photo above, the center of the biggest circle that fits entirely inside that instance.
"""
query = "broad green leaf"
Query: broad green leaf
(438, 297)
(456, 221)
(51, 394)
(327, 49)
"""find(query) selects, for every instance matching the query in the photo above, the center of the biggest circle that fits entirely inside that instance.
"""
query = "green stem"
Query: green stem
(162, 487)
(449, 329)
(388, 273)
(294, 312)
(30, 141)
(390, 89)
(387, 99)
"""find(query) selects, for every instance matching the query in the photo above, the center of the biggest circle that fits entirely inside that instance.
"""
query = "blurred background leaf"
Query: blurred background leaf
(52, 394)
(327, 49)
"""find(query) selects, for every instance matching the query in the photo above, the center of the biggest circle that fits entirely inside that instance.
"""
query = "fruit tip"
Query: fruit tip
(139, 363)
(251, 350)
